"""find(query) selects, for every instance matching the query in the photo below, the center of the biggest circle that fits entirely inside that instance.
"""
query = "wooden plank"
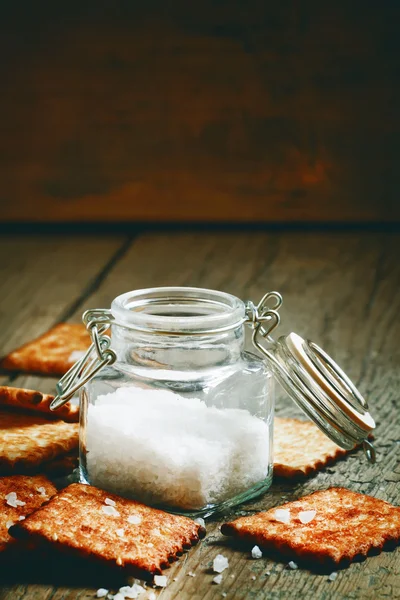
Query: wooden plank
(285, 112)
(342, 290)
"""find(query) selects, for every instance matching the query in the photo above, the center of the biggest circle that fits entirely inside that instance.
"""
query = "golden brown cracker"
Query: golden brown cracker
(346, 525)
(52, 353)
(77, 519)
(27, 441)
(33, 401)
(59, 467)
(300, 448)
(31, 491)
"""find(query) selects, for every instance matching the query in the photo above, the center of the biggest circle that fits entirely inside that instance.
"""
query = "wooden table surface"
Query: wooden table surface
(340, 289)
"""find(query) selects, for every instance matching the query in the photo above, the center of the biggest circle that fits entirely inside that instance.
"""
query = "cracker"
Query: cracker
(27, 441)
(53, 353)
(346, 525)
(32, 401)
(31, 490)
(59, 467)
(301, 448)
(77, 520)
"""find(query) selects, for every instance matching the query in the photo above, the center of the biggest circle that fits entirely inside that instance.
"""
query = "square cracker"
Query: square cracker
(76, 519)
(53, 353)
(27, 441)
(33, 491)
(301, 448)
(32, 401)
(346, 525)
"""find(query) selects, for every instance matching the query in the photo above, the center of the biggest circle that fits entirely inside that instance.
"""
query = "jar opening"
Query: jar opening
(178, 310)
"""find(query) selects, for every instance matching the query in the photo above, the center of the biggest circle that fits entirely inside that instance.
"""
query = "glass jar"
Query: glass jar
(175, 413)
(183, 418)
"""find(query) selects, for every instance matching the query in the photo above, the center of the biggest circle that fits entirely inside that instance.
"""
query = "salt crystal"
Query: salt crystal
(160, 580)
(226, 451)
(267, 573)
(253, 577)
(76, 355)
(220, 563)
(200, 522)
(282, 515)
(41, 490)
(224, 594)
(151, 596)
(306, 516)
(292, 565)
(21, 518)
(217, 579)
(109, 502)
(191, 574)
(101, 592)
(133, 591)
(119, 596)
(256, 552)
(134, 519)
(332, 576)
(110, 510)
(9, 524)
(13, 501)
(120, 532)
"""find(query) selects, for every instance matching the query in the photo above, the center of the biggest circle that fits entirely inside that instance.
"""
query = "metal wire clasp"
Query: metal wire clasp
(264, 318)
(95, 358)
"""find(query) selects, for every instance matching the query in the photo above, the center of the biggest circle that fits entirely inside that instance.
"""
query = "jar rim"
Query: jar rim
(178, 310)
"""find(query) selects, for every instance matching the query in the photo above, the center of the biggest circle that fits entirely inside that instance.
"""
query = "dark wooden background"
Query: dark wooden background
(199, 111)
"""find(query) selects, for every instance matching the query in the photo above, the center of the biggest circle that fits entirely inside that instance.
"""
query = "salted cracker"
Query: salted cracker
(19, 496)
(36, 402)
(27, 441)
(301, 448)
(346, 525)
(53, 353)
(93, 523)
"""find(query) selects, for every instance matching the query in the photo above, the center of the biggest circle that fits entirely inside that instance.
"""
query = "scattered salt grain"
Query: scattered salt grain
(200, 522)
(175, 579)
(120, 532)
(226, 450)
(267, 573)
(109, 502)
(191, 574)
(21, 518)
(306, 516)
(133, 591)
(119, 596)
(332, 576)
(224, 594)
(256, 552)
(134, 519)
(101, 593)
(13, 501)
(253, 577)
(220, 563)
(41, 490)
(151, 596)
(282, 515)
(217, 579)
(160, 580)
(110, 511)
(9, 524)
(292, 565)
(232, 576)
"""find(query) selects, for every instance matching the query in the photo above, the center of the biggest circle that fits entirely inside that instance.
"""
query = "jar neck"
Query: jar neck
(177, 328)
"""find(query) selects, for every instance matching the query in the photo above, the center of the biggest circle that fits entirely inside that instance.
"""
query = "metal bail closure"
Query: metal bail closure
(313, 380)
(97, 356)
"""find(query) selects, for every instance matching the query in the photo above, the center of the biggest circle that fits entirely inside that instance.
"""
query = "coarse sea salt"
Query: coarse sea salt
(220, 563)
(161, 448)
(134, 519)
(306, 516)
(110, 511)
(332, 576)
(41, 490)
(9, 524)
(13, 501)
(101, 593)
(200, 522)
(292, 565)
(120, 532)
(282, 515)
(217, 579)
(109, 502)
(256, 552)
(132, 591)
(160, 580)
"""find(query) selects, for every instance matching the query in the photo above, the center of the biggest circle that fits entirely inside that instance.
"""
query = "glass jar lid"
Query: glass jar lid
(309, 375)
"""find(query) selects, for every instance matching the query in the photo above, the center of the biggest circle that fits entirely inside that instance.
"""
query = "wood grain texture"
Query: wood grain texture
(211, 111)
(342, 290)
